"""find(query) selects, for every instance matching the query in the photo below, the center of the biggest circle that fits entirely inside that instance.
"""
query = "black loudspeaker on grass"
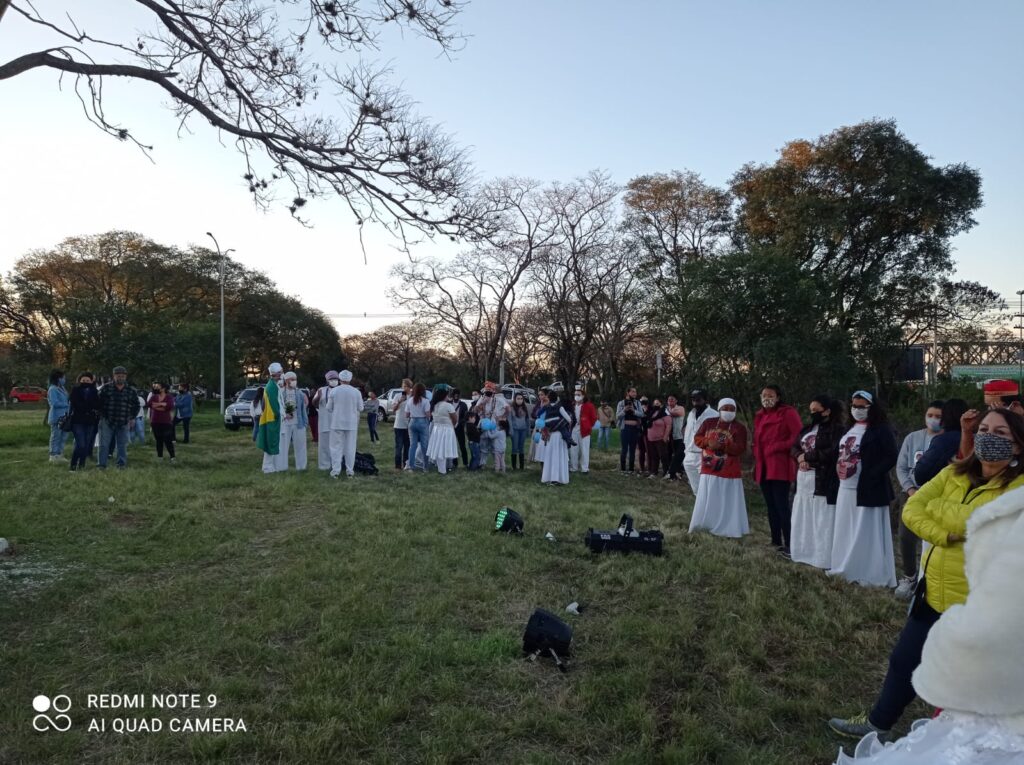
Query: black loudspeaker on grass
(547, 635)
(625, 539)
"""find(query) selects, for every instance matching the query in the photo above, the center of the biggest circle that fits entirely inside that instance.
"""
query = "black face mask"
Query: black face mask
(699, 408)
(817, 418)
(489, 394)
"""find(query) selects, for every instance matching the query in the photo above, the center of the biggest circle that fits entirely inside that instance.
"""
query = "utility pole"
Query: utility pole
(221, 256)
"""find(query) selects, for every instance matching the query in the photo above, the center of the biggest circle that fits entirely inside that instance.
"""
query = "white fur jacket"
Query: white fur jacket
(973, 660)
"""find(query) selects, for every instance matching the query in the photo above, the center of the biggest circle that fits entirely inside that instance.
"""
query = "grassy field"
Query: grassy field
(380, 620)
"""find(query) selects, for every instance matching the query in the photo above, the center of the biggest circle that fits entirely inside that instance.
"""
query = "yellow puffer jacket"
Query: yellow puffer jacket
(939, 508)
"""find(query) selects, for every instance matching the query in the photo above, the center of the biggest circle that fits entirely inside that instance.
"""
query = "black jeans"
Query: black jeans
(897, 690)
(371, 421)
(164, 435)
(628, 437)
(185, 423)
(460, 438)
(776, 498)
(678, 452)
(401, 446)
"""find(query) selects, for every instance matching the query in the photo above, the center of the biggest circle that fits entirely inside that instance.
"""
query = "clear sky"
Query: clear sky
(548, 89)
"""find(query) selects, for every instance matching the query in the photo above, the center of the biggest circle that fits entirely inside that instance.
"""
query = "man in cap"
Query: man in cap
(119, 405)
(323, 421)
(293, 424)
(699, 413)
(268, 437)
(345, 408)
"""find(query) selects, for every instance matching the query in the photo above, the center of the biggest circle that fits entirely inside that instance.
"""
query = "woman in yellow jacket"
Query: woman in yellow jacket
(938, 514)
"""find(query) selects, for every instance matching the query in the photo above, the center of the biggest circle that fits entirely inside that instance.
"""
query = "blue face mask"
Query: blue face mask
(61, 381)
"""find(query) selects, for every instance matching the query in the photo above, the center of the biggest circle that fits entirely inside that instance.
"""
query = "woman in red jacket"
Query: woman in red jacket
(720, 506)
(776, 427)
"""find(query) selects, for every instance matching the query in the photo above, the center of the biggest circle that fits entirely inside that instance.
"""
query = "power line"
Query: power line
(369, 315)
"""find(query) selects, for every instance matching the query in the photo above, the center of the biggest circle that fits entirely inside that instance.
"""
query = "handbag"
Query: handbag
(919, 600)
(64, 422)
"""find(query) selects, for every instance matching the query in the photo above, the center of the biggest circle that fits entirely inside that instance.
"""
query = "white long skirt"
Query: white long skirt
(862, 545)
(556, 460)
(810, 540)
(538, 450)
(442, 444)
(950, 739)
(720, 507)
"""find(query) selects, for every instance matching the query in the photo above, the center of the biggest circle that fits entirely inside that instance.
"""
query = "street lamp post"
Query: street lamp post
(221, 256)
(1020, 345)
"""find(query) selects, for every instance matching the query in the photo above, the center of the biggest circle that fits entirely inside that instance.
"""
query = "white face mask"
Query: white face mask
(293, 383)
(332, 383)
(727, 416)
(860, 415)
(579, 398)
(934, 423)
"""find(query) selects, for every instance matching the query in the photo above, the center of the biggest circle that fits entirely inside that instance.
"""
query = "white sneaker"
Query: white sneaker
(905, 589)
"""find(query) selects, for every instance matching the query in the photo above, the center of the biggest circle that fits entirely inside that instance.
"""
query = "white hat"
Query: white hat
(275, 368)
(331, 375)
(725, 402)
(290, 376)
(345, 376)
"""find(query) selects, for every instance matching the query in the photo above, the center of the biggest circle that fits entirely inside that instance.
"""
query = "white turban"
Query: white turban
(290, 376)
(275, 368)
(725, 402)
(345, 376)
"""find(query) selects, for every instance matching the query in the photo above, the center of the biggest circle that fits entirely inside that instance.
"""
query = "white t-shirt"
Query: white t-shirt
(442, 415)
(422, 409)
(848, 464)
(807, 440)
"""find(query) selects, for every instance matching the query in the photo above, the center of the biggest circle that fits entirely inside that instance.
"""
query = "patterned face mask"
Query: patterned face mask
(992, 448)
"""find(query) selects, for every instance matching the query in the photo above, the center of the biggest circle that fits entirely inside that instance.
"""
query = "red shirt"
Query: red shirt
(588, 416)
(721, 445)
(775, 432)
(161, 409)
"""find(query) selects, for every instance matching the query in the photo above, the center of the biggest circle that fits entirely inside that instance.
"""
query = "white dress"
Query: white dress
(720, 507)
(442, 444)
(813, 520)
(949, 739)
(556, 456)
(862, 545)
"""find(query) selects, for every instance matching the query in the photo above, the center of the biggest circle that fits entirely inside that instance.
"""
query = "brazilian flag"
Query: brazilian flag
(268, 438)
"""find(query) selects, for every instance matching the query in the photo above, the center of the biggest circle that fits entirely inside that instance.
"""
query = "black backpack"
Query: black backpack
(365, 464)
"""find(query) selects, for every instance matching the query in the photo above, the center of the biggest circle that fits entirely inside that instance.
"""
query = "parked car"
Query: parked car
(513, 387)
(530, 398)
(388, 400)
(239, 412)
(25, 394)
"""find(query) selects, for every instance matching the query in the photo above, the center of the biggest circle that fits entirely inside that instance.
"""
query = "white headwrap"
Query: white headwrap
(725, 402)
(290, 376)
(345, 376)
(275, 368)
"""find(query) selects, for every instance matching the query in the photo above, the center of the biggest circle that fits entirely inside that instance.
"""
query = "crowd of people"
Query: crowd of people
(826, 482)
(102, 419)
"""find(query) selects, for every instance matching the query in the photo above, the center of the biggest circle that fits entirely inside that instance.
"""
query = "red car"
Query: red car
(26, 395)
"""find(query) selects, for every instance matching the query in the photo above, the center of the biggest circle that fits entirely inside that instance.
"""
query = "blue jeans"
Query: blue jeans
(419, 436)
(474, 455)
(602, 436)
(57, 437)
(110, 434)
(401, 447)
(371, 420)
(518, 440)
(138, 431)
(629, 437)
(85, 436)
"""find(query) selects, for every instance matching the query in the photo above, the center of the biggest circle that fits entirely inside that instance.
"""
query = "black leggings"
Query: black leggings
(164, 435)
